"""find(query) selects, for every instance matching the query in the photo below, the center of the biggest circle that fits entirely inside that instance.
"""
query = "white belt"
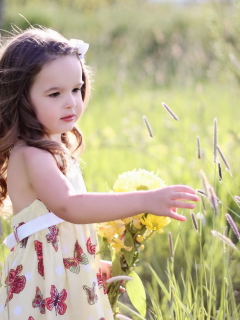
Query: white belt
(31, 227)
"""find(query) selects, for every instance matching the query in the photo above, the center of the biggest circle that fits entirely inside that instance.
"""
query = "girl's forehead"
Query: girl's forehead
(60, 70)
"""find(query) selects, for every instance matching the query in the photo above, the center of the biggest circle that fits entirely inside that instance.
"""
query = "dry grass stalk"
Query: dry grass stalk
(148, 126)
(224, 239)
(205, 183)
(170, 242)
(170, 111)
(237, 199)
(203, 204)
(202, 195)
(213, 200)
(219, 171)
(201, 192)
(198, 148)
(215, 140)
(232, 225)
(194, 221)
(224, 160)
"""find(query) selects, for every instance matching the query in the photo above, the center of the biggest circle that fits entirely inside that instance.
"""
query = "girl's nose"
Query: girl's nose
(71, 102)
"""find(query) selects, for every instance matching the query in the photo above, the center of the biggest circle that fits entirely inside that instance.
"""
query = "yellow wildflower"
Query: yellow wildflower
(155, 223)
(109, 229)
(117, 244)
(127, 220)
(135, 180)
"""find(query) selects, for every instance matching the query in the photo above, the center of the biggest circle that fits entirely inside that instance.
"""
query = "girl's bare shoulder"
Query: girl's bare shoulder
(25, 168)
(23, 155)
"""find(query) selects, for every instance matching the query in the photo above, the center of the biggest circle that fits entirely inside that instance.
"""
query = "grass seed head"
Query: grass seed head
(194, 221)
(170, 111)
(224, 160)
(205, 183)
(198, 148)
(219, 171)
(148, 126)
(237, 199)
(214, 201)
(232, 225)
(224, 239)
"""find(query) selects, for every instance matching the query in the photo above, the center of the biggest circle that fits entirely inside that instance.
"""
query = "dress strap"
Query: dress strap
(27, 229)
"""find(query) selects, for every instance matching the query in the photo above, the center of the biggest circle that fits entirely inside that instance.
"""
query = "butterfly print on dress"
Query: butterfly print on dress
(23, 243)
(15, 282)
(39, 252)
(91, 248)
(101, 282)
(38, 301)
(73, 264)
(30, 318)
(91, 295)
(52, 237)
(57, 300)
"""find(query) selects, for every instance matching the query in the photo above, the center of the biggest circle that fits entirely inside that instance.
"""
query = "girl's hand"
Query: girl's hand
(106, 273)
(105, 270)
(165, 201)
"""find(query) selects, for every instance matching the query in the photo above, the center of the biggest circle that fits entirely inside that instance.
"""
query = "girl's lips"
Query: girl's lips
(68, 118)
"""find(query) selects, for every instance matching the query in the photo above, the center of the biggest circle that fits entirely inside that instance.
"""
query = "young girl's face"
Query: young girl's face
(56, 95)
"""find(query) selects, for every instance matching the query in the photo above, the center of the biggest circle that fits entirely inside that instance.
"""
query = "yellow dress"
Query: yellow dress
(54, 273)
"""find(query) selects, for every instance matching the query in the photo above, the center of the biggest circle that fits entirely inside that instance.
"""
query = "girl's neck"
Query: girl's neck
(55, 137)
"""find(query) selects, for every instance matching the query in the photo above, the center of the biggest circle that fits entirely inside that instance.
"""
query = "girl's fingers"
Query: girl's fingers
(183, 188)
(185, 196)
(182, 204)
(174, 215)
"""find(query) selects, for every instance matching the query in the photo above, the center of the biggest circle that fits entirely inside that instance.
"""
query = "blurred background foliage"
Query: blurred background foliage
(156, 43)
(142, 53)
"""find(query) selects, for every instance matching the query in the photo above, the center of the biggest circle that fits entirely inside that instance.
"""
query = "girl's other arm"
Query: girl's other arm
(55, 191)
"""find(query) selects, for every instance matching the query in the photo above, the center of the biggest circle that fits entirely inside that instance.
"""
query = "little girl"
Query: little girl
(52, 271)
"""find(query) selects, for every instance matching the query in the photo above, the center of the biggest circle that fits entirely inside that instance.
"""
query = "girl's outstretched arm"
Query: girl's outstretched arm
(53, 188)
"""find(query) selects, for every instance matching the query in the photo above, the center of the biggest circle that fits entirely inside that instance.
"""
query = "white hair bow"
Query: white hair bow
(81, 46)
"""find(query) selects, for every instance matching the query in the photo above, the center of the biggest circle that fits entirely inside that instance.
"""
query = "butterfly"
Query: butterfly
(52, 237)
(38, 301)
(73, 264)
(23, 243)
(39, 252)
(101, 282)
(91, 248)
(91, 295)
(57, 300)
(15, 282)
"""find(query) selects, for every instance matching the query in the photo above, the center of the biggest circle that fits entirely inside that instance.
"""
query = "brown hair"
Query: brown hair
(21, 60)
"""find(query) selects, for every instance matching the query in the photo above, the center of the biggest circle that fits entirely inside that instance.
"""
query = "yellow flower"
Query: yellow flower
(135, 180)
(155, 223)
(117, 244)
(109, 229)
(135, 220)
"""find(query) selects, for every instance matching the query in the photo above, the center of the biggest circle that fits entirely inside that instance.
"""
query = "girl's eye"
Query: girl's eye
(76, 89)
(54, 95)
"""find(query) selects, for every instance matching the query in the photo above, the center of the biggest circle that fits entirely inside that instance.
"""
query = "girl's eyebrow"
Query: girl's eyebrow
(57, 88)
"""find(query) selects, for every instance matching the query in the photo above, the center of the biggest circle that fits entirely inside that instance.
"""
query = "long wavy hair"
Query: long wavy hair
(21, 59)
